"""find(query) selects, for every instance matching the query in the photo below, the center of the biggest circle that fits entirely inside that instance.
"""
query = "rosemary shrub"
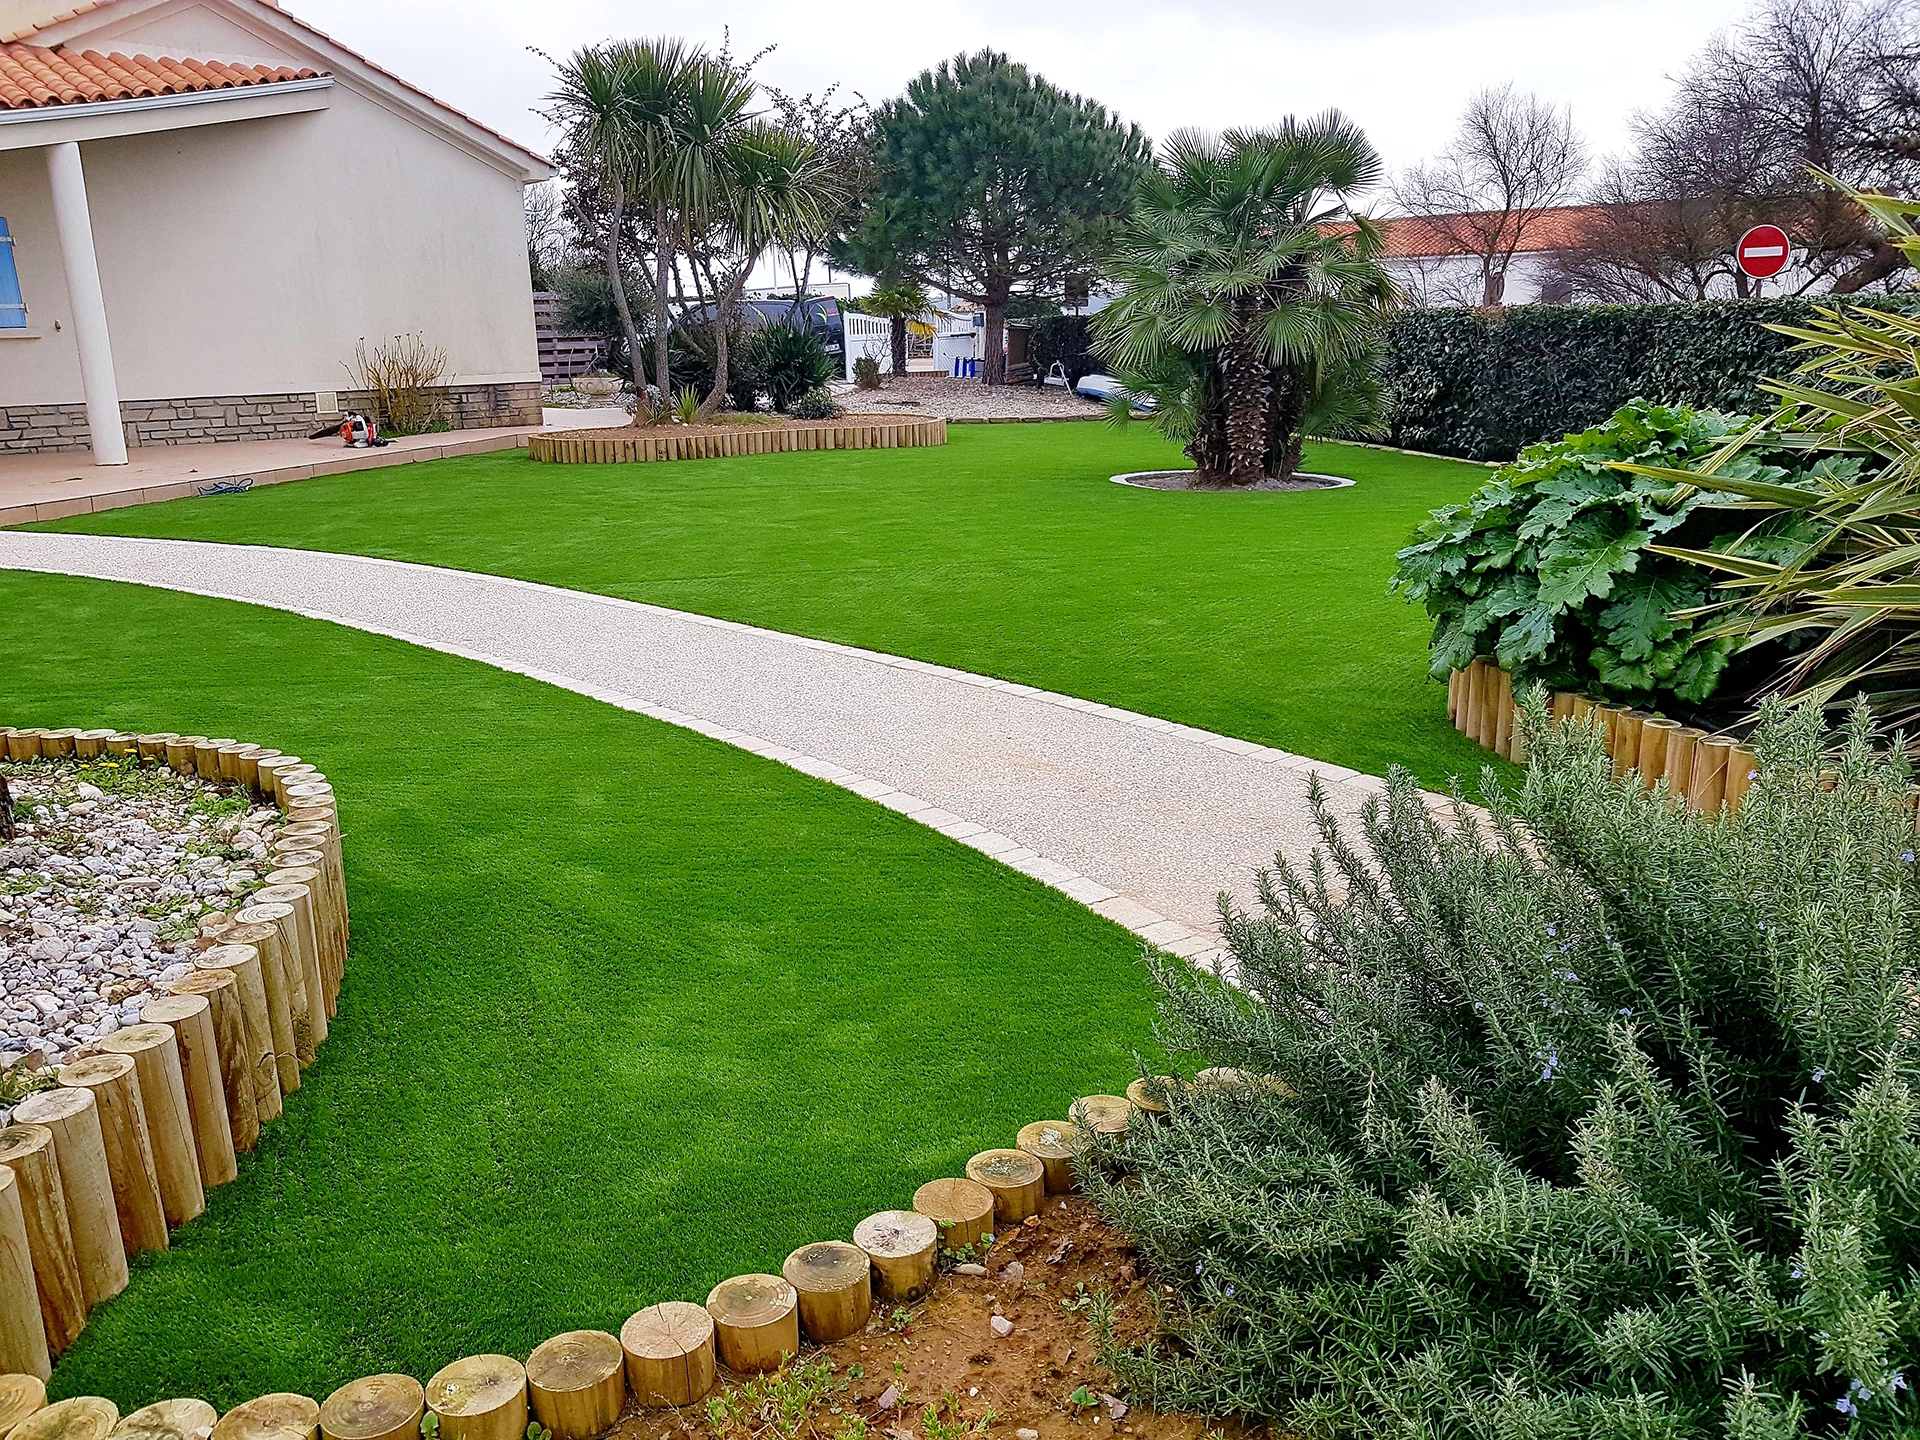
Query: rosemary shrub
(1599, 1118)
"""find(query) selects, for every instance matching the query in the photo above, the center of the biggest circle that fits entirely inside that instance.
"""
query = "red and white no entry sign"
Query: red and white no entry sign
(1763, 251)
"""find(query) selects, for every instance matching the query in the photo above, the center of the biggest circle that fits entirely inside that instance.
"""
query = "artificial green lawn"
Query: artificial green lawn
(1006, 551)
(628, 1010)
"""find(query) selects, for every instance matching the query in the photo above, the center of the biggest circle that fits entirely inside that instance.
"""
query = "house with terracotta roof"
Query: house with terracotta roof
(207, 205)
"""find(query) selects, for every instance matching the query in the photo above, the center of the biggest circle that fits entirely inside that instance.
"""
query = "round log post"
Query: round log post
(1018, 1182)
(168, 1420)
(279, 986)
(91, 744)
(154, 747)
(123, 1125)
(27, 1150)
(300, 887)
(267, 771)
(670, 1356)
(1742, 771)
(23, 1334)
(191, 1020)
(304, 938)
(1503, 714)
(222, 994)
(163, 1092)
(1626, 742)
(1655, 735)
(1051, 1142)
(904, 1247)
(1470, 699)
(1707, 783)
(57, 744)
(1102, 1114)
(756, 1322)
(285, 775)
(1680, 747)
(206, 758)
(121, 743)
(85, 1417)
(20, 1396)
(480, 1397)
(250, 766)
(963, 1209)
(272, 1417)
(307, 1016)
(1453, 697)
(307, 845)
(1141, 1098)
(23, 745)
(833, 1282)
(230, 754)
(243, 963)
(1487, 711)
(378, 1407)
(1581, 712)
(180, 753)
(577, 1384)
(80, 1153)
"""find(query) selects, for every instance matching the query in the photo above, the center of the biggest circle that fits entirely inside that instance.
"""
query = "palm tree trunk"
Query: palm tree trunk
(897, 342)
(619, 285)
(1247, 383)
(662, 265)
(1208, 447)
(1289, 392)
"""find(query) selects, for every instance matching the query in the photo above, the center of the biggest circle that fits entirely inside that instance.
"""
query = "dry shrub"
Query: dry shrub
(401, 379)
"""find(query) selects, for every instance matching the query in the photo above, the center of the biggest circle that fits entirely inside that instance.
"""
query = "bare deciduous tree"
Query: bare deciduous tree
(1828, 84)
(1515, 157)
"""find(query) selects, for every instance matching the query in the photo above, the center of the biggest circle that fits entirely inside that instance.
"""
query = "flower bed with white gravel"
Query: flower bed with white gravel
(102, 886)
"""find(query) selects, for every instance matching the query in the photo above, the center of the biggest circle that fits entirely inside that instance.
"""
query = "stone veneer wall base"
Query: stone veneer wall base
(207, 419)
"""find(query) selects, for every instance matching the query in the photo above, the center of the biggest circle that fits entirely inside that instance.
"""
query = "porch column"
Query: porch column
(75, 224)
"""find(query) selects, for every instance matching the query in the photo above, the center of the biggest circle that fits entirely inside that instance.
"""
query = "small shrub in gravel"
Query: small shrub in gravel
(102, 887)
(815, 405)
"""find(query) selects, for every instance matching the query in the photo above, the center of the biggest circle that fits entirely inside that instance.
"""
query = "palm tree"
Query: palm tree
(770, 187)
(1250, 292)
(898, 301)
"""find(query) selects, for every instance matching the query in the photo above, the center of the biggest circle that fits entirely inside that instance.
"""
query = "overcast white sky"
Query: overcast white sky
(1402, 68)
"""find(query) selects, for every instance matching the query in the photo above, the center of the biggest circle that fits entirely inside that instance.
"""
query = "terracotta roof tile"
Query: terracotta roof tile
(35, 76)
(1416, 237)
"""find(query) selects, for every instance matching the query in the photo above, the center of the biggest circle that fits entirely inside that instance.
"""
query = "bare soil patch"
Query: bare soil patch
(1043, 1376)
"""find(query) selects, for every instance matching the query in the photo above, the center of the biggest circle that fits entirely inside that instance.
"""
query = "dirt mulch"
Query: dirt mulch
(944, 1353)
(1184, 480)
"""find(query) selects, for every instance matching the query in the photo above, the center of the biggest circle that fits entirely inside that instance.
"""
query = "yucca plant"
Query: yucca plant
(1845, 601)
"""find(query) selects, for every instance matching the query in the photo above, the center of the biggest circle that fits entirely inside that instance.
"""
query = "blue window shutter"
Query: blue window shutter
(13, 307)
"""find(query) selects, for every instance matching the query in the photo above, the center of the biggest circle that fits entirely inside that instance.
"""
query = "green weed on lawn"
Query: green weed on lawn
(628, 1010)
(1006, 551)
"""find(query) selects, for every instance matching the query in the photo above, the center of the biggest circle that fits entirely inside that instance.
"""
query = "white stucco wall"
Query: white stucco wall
(248, 258)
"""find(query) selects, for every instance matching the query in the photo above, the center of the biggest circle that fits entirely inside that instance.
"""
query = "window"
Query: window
(13, 307)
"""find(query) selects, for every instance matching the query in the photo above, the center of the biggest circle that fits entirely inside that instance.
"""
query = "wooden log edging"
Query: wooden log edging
(147, 1119)
(95, 1150)
(1705, 773)
(625, 446)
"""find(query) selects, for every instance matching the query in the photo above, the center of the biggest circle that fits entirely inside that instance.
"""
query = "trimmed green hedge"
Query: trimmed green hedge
(1485, 384)
(1067, 339)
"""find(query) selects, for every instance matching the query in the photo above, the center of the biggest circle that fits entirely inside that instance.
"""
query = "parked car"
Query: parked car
(821, 315)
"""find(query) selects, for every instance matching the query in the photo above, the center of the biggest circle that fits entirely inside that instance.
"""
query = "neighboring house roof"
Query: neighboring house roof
(1420, 237)
(34, 76)
(29, 17)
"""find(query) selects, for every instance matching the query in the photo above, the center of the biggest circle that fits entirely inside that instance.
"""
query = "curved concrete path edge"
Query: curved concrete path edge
(1142, 820)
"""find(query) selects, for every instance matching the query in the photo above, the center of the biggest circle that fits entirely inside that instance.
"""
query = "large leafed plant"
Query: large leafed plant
(1547, 568)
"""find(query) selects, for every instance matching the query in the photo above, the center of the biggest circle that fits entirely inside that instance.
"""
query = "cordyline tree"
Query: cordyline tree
(992, 182)
(1251, 295)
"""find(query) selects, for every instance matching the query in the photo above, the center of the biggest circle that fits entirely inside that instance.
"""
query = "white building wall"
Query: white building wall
(250, 257)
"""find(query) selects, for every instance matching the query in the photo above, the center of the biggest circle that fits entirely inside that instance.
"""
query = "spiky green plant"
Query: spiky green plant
(1848, 599)
(1598, 1118)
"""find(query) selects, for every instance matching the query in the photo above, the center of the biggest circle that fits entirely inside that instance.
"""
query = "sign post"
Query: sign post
(1763, 251)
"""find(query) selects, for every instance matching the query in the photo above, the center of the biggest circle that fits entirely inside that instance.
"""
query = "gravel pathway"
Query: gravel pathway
(1143, 820)
(968, 399)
